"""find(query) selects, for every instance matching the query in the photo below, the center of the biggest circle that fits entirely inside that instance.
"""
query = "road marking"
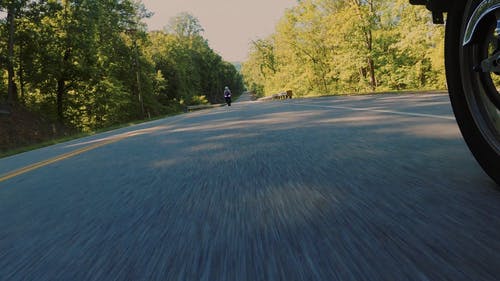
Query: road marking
(378, 110)
(57, 159)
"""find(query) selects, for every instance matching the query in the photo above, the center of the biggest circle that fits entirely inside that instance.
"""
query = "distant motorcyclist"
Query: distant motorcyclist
(227, 95)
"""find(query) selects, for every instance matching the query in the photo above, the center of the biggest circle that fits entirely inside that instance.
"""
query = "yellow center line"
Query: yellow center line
(57, 159)
(103, 142)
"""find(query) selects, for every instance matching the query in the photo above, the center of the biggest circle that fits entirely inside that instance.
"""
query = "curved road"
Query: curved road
(338, 188)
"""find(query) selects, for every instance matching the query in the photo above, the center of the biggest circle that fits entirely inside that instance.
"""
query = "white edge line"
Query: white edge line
(378, 110)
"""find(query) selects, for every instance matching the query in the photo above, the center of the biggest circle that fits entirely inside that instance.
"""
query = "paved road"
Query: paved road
(246, 96)
(346, 188)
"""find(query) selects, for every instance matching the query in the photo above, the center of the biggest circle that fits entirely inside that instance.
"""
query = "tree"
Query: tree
(189, 67)
(185, 25)
(90, 64)
(302, 50)
(325, 46)
(73, 59)
(13, 8)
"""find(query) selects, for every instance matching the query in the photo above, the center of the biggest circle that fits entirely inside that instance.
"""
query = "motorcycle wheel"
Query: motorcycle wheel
(474, 94)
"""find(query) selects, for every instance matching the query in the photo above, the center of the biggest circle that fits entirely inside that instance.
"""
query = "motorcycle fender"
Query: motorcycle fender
(484, 8)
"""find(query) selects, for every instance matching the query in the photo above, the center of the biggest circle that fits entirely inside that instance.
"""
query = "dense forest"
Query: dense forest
(346, 46)
(89, 64)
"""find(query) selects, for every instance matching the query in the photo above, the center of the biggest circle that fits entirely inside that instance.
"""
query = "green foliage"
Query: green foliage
(342, 46)
(185, 26)
(187, 67)
(91, 64)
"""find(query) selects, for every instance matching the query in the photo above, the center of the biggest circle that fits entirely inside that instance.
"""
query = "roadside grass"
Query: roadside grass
(23, 149)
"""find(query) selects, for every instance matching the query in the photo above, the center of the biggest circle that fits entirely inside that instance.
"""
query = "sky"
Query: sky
(230, 25)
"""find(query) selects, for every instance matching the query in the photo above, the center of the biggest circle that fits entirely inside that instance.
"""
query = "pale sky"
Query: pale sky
(229, 25)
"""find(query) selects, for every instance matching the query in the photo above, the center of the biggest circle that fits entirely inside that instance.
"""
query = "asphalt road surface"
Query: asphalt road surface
(337, 188)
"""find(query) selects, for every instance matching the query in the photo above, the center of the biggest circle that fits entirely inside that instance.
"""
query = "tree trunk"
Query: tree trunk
(12, 90)
(20, 74)
(60, 95)
(367, 30)
(371, 69)
(61, 86)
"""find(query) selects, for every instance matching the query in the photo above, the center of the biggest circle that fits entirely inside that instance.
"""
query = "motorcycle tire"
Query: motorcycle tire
(473, 92)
